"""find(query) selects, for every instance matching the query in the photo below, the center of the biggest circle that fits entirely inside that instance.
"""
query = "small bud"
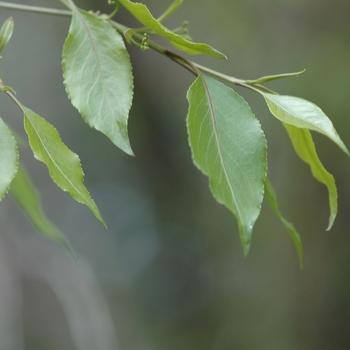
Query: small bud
(6, 33)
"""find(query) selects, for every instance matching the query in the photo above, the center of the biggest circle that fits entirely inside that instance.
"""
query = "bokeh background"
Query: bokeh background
(169, 272)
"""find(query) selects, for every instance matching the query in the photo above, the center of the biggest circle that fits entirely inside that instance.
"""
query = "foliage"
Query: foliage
(226, 139)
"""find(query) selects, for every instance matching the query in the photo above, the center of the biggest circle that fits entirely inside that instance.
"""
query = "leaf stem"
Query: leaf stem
(158, 48)
(114, 11)
(36, 9)
(14, 99)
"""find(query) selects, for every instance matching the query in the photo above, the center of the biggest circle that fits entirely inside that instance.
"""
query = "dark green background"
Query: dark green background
(169, 272)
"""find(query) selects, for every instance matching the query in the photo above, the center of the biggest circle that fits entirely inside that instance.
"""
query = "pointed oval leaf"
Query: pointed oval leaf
(6, 33)
(8, 158)
(26, 196)
(302, 114)
(305, 148)
(229, 147)
(63, 165)
(98, 77)
(270, 195)
(141, 12)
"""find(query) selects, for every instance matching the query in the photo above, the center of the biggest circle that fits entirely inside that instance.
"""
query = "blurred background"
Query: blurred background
(169, 272)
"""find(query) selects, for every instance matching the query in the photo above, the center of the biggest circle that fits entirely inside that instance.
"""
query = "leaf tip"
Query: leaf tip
(246, 234)
(331, 221)
(221, 55)
(98, 215)
(246, 249)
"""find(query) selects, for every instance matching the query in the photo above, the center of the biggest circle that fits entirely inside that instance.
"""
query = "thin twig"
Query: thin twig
(187, 64)
(36, 9)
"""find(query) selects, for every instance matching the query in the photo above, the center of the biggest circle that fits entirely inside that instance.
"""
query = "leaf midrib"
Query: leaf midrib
(50, 157)
(212, 113)
(94, 49)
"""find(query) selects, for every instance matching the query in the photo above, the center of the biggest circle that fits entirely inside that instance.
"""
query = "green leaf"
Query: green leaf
(268, 78)
(302, 114)
(24, 193)
(305, 148)
(271, 198)
(63, 165)
(141, 12)
(98, 77)
(229, 147)
(6, 33)
(8, 158)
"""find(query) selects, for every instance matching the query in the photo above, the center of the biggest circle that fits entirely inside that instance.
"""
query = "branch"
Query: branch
(187, 64)
(36, 9)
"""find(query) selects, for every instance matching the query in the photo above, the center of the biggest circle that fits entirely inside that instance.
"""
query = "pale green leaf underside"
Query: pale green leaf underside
(8, 158)
(6, 33)
(63, 165)
(228, 146)
(271, 198)
(141, 12)
(305, 148)
(98, 77)
(24, 193)
(302, 114)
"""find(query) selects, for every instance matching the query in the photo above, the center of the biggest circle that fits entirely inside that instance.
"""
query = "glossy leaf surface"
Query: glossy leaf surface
(302, 114)
(271, 198)
(229, 147)
(24, 193)
(98, 77)
(8, 158)
(63, 165)
(6, 33)
(305, 148)
(141, 12)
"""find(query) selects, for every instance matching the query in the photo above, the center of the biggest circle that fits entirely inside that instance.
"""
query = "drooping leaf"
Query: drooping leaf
(98, 77)
(25, 195)
(268, 78)
(229, 147)
(302, 114)
(6, 33)
(305, 148)
(63, 165)
(8, 158)
(141, 12)
(271, 198)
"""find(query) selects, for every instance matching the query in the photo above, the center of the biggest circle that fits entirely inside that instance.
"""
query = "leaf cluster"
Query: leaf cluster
(226, 139)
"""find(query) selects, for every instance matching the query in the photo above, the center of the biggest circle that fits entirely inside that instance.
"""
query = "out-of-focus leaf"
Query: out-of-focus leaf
(6, 33)
(8, 158)
(229, 147)
(98, 77)
(302, 114)
(271, 198)
(63, 165)
(141, 12)
(305, 148)
(24, 193)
